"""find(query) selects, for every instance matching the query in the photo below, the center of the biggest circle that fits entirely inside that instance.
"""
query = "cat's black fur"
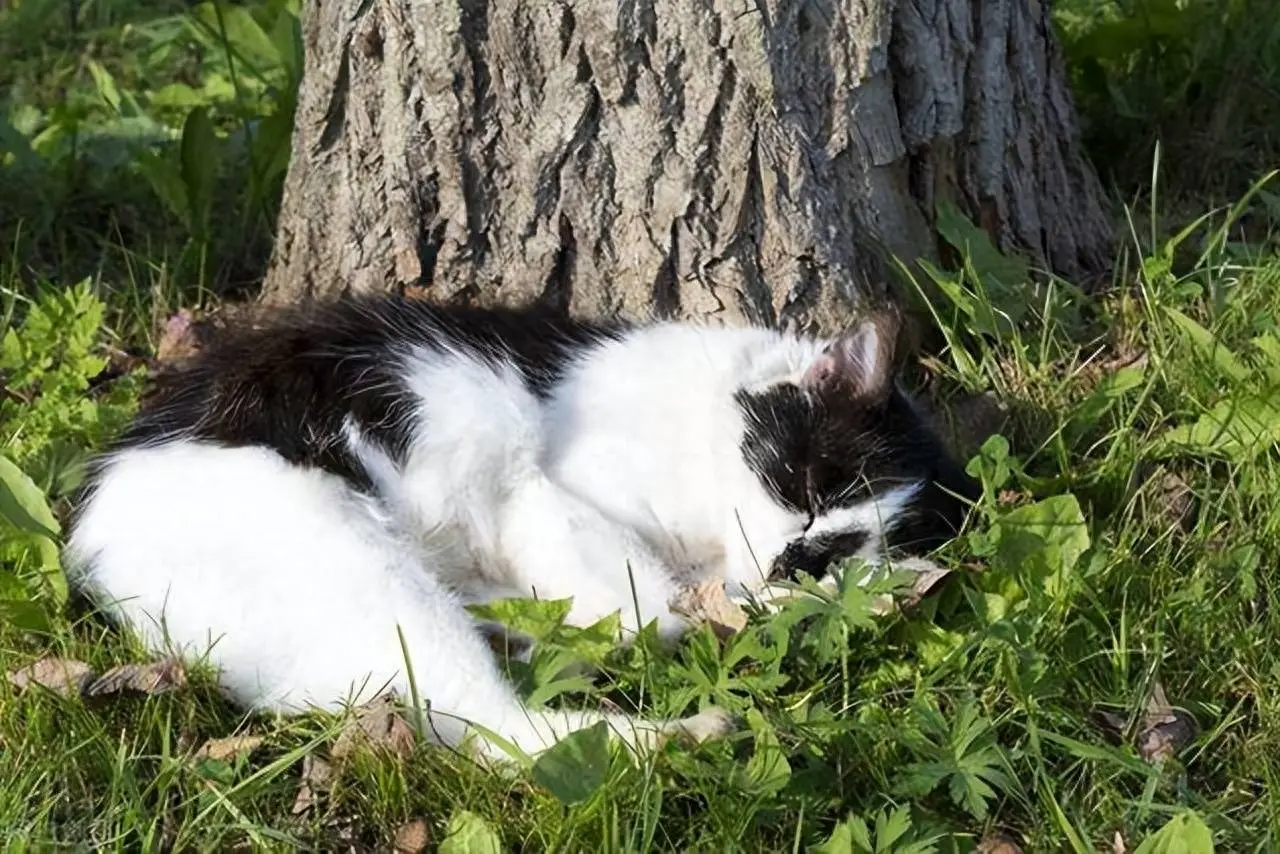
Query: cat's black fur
(289, 383)
(816, 451)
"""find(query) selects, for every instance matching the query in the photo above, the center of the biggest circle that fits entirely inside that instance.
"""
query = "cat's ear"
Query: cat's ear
(860, 362)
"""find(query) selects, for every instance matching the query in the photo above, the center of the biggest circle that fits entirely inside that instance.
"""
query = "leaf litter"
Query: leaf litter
(231, 747)
(317, 779)
(707, 602)
(75, 678)
(156, 677)
(377, 725)
(63, 676)
(412, 837)
(1161, 731)
(998, 843)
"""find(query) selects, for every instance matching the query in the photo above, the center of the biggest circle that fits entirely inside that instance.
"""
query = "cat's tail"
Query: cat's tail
(301, 593)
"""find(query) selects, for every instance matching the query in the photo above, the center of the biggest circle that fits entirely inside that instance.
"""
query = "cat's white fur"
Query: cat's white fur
(626, 483)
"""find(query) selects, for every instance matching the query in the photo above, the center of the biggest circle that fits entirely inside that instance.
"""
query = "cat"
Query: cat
(303, 490)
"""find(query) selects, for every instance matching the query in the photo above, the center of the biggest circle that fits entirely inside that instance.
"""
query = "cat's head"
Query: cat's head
(850, 460)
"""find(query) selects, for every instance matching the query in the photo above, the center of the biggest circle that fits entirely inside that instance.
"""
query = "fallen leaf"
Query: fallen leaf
(155, 677)
(1164, 730)
(179, 338)
(707, 602)
(1177, 500)
(998, 844)
(1125, 358)
(927, 576)
(1117, 844)
(1113, 724)
(378, 725)
(223, 749)
(317, 777)
(60, 675)
(1012, 497)
(1161, 731)
(412, 837)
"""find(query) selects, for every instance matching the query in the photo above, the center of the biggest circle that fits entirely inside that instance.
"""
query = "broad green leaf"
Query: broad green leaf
(199, 160)
(23, 505)
(167, 183)
(991, 464)
(890, 827)
(468, 833)
(920, 778)
(767, 770)
(1044, 540)
(286, 37)
(849, 836)
(1228, 364)
(24, 615)
(1269, 345)
(244, 35)
(976, 245)
(576, 766)
(595, 641)
(979, 310)
(537, 618)
(1112, 388)
(1233, 429)
(1185, 833)
(105, 84)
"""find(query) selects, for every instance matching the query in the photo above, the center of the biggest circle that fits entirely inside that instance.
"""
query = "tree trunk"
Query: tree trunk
(713, 159)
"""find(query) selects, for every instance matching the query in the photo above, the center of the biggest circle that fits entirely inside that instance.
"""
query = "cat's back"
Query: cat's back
(296, 379)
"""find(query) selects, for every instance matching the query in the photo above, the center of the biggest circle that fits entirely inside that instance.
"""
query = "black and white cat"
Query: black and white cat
(293, 495)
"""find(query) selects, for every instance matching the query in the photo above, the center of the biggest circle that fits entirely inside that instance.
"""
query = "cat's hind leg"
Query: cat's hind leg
(299, 589)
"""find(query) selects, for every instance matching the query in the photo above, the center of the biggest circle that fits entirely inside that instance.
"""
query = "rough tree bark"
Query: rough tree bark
(721, 159)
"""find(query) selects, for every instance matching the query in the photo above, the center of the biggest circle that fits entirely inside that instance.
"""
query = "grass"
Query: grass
(1128, 537)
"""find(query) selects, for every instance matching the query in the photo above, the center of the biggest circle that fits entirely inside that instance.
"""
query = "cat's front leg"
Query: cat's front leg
(557, 546)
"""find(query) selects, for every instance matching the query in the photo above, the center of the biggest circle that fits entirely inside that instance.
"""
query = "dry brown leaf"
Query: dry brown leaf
(1113, 724)
(1012, 497)
(1164, 730)
(928, 576)
(61, 675)
(1125, 358)
(707, 602)
(155, 677)
(378, 725)
(230, 747)
(1117, 844)
(317, 777)
(1177, 500)
(412, 837)
(998, 844)
(179, 338)
(1161, 731)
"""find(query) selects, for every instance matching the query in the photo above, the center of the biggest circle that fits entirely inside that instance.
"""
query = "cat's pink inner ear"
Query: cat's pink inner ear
(860, 362)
